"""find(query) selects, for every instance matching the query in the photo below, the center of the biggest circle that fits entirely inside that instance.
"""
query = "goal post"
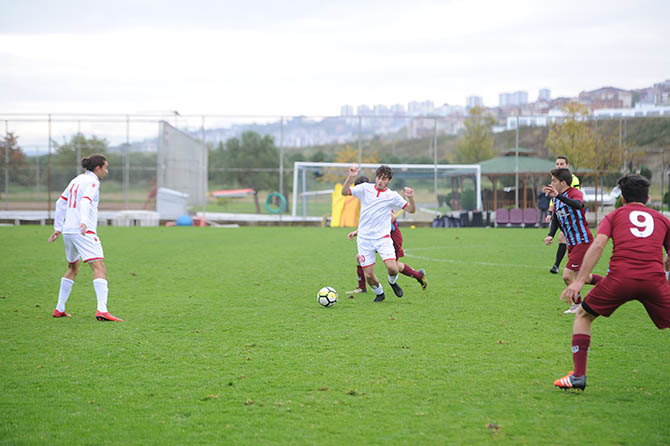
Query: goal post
(437, 188)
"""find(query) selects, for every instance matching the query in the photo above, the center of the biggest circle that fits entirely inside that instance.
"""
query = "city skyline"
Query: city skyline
(301, 58)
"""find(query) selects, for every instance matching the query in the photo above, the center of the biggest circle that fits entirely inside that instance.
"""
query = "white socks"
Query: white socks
(392, 279)
(377, 290)
(64, 293)
(101, 291)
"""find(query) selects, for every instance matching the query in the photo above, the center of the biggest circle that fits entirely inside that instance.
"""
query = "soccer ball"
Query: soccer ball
(327, 296)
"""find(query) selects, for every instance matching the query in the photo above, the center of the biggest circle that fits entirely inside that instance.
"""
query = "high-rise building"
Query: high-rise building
(474, 101)
(513, 99)
(381, 110)
(346, 110)
(398, 109)
(544, 95)
(363, 110)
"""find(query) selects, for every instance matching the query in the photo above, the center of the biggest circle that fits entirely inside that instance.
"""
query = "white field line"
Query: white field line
(432, 259)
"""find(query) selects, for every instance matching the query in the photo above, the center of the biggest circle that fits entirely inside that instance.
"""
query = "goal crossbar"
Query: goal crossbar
(442, 170)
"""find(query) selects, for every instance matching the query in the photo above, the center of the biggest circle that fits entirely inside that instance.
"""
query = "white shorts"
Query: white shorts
(367, 249)
(87, 247)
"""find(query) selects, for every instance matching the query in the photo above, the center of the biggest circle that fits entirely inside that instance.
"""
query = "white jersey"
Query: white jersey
(78, 204)
(376, 207)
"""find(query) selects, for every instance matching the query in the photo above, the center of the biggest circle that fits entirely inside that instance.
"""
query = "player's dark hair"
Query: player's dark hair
(562, 175)
(361, 179)
(634, 188)
(384, 171)
(93, 161)
(564, 158)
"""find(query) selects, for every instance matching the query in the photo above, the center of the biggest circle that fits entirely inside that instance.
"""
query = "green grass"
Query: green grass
(224, 343)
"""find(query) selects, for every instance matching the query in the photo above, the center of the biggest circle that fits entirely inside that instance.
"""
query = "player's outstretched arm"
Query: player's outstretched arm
(590, 259)
(346, 187)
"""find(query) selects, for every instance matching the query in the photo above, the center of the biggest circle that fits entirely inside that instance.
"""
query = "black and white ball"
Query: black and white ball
(327, 296)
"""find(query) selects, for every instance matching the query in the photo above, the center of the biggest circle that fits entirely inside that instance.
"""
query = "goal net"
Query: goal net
(438, 189)
(182, 164)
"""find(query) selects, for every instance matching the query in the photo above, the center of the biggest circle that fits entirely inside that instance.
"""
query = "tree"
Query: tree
(255, 160)
(477, 142)
(17, 166)
(573, 137)
(66, 162)
(66, 153)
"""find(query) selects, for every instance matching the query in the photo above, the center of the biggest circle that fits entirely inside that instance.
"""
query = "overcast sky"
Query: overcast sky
(310, 57)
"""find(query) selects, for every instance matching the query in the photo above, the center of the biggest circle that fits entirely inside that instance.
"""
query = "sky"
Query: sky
(258, 57)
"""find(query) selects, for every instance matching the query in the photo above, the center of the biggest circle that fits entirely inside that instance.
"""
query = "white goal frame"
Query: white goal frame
(476, 168)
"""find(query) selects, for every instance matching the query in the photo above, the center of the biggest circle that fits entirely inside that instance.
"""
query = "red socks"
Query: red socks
(361, 277)
(408, 271)
(580, 351)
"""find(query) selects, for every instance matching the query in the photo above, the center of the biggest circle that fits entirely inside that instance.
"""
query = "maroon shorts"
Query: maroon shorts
(396, 236)
(576, 256)
(610, 293)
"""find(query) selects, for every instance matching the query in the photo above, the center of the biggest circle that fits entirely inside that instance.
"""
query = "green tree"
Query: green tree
(254, 160)
(67, 165)
(18, 164)
(477, 141)
(66, 153)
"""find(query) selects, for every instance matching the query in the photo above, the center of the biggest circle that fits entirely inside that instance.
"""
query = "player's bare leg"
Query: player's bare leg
(373, 281)
(101, 291)
(569, 276)
(393, 269)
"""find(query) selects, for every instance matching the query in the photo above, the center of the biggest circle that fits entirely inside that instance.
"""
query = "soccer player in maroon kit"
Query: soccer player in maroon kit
(636, 271)
(570, 215)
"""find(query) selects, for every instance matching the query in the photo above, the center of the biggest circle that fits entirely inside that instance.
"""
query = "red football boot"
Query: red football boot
(57, 313)
(107, 316)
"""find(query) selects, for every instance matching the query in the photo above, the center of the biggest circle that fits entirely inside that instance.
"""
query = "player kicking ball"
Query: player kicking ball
(636, 272)
(374, 230)
(396, 236)
(77, 219)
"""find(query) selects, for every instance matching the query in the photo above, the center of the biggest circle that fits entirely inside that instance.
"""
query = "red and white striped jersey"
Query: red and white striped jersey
(78, 204)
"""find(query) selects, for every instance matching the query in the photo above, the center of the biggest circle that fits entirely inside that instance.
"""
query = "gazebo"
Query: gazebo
(532, 170)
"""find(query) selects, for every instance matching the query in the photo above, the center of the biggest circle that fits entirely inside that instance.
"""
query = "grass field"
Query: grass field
(224, 343)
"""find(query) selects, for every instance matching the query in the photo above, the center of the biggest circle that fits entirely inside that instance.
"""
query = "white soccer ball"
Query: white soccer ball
(327, 296)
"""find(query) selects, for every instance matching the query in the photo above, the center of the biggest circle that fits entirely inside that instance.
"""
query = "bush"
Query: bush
(469, 200)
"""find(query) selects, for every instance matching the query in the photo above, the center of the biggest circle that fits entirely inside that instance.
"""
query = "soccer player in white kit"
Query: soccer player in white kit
(77, 219)
(374, 225)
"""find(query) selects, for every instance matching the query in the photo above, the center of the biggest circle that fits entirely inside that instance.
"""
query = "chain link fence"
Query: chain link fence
(40, 153)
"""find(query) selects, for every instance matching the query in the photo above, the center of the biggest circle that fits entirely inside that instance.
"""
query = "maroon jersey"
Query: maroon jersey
(638, 235)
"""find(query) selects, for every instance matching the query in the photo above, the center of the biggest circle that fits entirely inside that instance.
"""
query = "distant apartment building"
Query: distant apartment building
(381, 110)
(424, 108)
(658, 94)
(606, 97)
(474, 101)
(516, 98)
(363, 110)
(397, 110)
(346, 110)
(544, 95)
(447, 110)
